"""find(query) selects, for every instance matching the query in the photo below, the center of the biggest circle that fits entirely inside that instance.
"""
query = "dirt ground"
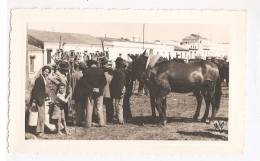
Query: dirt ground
(181, 108)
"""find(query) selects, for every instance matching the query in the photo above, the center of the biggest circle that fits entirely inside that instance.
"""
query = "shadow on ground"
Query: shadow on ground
(203, 134)
(139, 120)
(221, 131)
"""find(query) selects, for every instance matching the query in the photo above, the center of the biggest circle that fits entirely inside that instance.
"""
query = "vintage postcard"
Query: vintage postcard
(171, 80)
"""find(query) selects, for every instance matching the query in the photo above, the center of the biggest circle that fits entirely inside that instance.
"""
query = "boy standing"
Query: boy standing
(58, 111)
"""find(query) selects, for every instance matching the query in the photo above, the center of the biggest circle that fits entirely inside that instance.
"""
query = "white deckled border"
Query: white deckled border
(21, 17)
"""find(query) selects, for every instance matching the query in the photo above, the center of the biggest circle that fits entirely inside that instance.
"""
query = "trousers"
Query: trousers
(118, 105)
(41, 119)
(91, 103)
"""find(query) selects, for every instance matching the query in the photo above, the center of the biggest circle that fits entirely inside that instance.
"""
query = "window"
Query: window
(32, 59)
(49, 56)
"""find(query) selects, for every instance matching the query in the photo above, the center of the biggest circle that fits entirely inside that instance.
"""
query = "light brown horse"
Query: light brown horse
(162, 77)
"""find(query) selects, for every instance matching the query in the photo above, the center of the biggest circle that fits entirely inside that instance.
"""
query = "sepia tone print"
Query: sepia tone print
(127, 81)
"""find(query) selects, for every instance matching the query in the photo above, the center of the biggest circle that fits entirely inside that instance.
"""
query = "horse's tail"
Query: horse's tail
(217, 94)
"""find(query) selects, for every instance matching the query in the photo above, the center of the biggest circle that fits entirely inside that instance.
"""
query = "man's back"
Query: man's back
(94, 78)
(118, 82)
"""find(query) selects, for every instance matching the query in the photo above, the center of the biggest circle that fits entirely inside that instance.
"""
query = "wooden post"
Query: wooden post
(143, 35)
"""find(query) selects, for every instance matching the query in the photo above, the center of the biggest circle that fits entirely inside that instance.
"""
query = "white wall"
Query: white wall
(117, 47)
(137, 48)
(38, 62)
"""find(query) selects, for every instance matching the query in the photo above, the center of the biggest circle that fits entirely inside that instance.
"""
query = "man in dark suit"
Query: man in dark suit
(38, 96)
(93, 83)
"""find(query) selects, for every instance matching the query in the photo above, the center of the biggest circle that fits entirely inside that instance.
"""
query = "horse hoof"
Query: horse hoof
(164, 122)
(195, 118)
(203, 119)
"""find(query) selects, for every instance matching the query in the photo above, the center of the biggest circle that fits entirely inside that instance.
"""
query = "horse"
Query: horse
(223, 66)
(162, 77)
(178, 60)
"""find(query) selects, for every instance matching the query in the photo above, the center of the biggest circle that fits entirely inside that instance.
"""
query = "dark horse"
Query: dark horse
(162, 77)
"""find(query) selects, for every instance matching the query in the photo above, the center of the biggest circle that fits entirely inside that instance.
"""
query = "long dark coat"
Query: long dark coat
(94, 77)
(79, 94)
(38, 92)
(118, 82)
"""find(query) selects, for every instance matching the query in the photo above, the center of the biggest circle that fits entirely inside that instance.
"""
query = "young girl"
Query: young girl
(58, 111)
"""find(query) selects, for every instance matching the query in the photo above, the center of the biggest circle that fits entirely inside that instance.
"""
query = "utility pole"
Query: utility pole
(143, 35)
(60, 42)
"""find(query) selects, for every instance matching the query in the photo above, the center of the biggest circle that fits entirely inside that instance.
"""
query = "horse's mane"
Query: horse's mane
(161, 61)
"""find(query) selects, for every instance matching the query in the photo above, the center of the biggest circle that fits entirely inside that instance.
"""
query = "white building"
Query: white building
(197, 45)
(43, 44)
(122, 47)
(47, 43)
(34, 60)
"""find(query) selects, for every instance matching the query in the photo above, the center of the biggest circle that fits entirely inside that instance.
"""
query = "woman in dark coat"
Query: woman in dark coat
(38, 96)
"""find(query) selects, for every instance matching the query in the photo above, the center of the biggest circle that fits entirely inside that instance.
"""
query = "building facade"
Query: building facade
(197, 45)
(42, 45)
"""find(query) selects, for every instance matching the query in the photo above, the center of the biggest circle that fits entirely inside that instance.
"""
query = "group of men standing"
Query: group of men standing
(102, 85)
(95, 89)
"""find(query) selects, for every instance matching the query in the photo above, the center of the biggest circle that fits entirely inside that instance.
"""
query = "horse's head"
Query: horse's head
(138, 65)
(143, 65)
(132, 56)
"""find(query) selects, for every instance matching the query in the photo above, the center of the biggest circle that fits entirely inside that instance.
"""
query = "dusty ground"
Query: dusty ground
(181, 108)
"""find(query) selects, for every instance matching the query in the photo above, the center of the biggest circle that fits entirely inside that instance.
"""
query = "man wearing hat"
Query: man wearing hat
(38, 96)
(93, 84)
(78, 96)
(108, 102)
(117, 86)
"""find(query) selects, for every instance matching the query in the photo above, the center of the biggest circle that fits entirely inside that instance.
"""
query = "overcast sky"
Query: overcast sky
(163, 32)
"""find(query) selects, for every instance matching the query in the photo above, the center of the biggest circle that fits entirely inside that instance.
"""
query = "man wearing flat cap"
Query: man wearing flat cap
(93, 84)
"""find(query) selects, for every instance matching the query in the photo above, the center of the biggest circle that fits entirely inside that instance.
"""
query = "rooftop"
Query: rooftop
(194, 37)
(178, 48)
(33, 48)
(71, 38)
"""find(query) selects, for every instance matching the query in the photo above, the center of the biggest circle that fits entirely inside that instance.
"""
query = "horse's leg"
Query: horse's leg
(158, 105)
(199, 98)
(164, 107)
(227, 81)
(213, 104)
(208, 95)
(214, 109)
(140, 88)
(152, 101)
(207, 101)
(126, 101)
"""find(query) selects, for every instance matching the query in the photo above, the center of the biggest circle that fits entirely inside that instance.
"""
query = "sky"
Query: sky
(163, 32)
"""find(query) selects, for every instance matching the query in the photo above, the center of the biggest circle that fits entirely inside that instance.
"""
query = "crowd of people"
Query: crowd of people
(92, 89)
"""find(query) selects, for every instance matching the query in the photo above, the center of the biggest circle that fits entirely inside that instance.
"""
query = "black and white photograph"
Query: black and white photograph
(86, 80)
(127, 81)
